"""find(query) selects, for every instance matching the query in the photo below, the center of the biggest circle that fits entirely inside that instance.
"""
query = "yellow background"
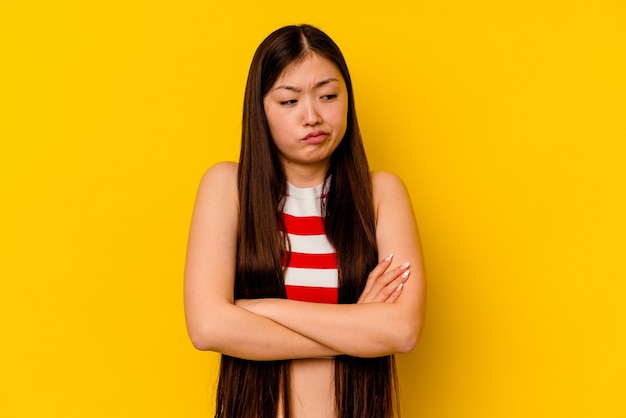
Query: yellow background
(505, 119)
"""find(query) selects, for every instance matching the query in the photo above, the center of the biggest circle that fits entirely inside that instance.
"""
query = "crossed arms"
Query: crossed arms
(387, 318)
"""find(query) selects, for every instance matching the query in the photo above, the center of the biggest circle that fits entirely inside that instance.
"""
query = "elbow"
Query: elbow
(403, 342)
(200, 343)
(407, 338)
(406, 344)
(206, 330)
(201, 339)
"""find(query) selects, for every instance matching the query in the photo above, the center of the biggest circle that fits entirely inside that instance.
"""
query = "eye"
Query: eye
(329, 97)
(288, 102)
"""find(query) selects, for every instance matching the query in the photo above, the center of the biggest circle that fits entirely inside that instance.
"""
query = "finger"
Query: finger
(377, 272)
(380, 285)
(392, 291)
(395, 294)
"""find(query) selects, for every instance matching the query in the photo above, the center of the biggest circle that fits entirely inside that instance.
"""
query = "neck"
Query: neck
(301, 176)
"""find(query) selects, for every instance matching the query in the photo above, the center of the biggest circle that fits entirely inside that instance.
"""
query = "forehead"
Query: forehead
(310, 69)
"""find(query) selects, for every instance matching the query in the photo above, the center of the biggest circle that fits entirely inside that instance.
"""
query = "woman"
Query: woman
(283, 274)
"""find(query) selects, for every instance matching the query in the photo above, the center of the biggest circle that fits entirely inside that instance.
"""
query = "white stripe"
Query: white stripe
(310, 244)
(311, 277)
(295, 207)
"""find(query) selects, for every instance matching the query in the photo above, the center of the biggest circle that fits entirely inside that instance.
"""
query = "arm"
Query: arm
(368, 329)
(213, 321)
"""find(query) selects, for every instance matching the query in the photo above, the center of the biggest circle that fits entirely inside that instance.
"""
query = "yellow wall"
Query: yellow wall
(506, 120)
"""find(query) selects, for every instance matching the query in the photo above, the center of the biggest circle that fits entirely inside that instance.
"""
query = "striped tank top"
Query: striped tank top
(311, 274)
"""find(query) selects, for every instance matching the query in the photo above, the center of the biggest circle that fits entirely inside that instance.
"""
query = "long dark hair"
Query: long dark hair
(252, 389)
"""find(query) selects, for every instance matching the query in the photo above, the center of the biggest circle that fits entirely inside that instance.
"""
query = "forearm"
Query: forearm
(239, 333)
(361, 330)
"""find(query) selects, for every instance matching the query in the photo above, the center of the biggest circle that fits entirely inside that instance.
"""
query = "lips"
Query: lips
(315, 136)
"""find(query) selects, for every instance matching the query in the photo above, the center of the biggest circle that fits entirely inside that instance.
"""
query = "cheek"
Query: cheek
(273, 122)
(339, 117)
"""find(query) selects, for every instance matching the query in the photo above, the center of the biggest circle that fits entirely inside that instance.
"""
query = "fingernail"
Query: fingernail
(404, 266)
(389, 257)
(399, 288)
(406, 274)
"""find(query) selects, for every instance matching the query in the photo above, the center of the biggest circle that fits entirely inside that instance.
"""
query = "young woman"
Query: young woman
(283, 275)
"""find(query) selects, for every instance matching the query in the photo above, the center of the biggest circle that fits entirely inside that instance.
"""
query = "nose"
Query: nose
(310, 113)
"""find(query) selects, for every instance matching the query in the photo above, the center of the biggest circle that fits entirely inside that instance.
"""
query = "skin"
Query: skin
(310, 96)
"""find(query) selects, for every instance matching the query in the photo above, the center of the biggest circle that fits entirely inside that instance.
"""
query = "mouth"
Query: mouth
(315, 136)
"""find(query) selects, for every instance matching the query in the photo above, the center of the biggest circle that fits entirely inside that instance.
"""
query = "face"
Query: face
(307, 110)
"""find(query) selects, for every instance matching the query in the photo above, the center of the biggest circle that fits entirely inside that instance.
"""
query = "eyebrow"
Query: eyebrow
(298, 89)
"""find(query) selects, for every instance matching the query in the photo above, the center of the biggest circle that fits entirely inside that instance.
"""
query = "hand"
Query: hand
(385, 286)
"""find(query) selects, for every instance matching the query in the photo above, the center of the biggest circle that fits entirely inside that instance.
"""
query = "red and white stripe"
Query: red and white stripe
(311, 275)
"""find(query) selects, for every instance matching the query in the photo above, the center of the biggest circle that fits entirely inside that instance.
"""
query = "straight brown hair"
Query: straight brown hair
(364, 387)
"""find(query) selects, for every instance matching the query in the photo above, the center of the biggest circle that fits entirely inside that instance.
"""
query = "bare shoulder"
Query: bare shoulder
(222, 171)
(385, 178)
(387, 187)
(219, 179)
